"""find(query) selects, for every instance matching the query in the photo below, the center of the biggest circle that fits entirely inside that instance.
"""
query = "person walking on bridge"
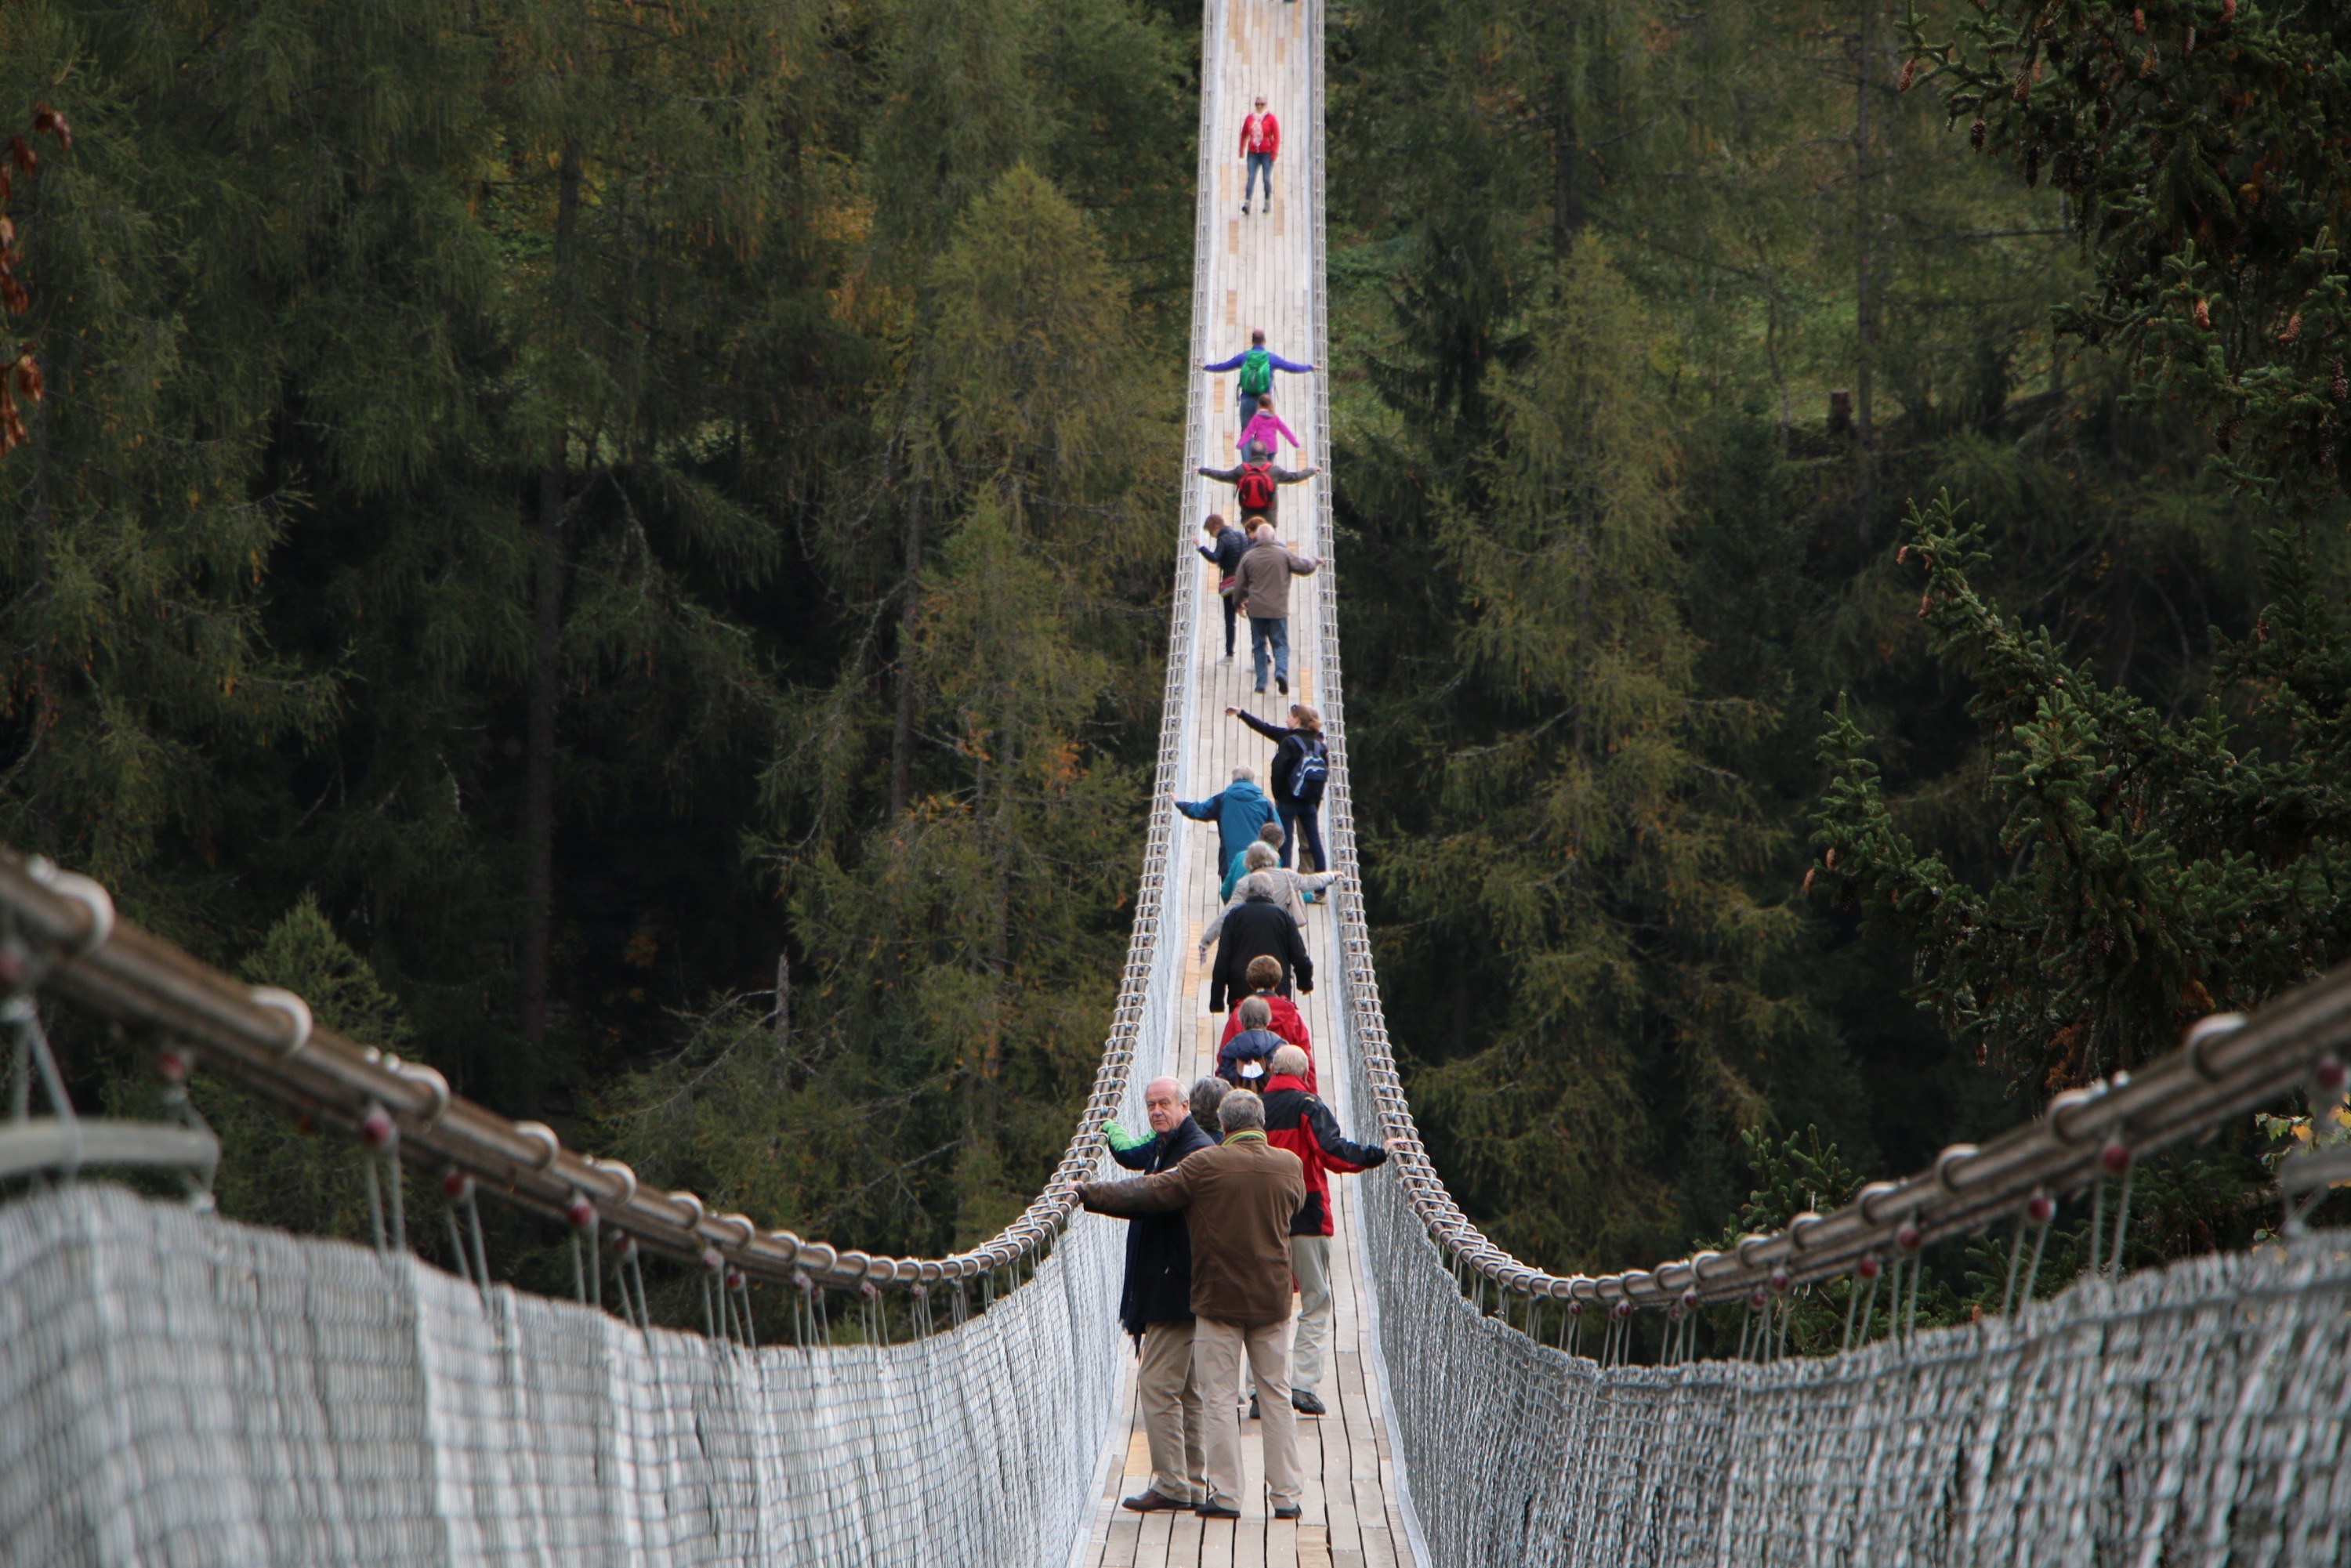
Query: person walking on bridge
(1264, 976)
(1257, 482)
(1238, 809)
(1224, 550)
(1265, 571)
(1295, 890)
(1237, 1200)
(1260, 141)
(1262, 427)
(1259, 928)
(1296, 1120)
(1302, 765)
(1257, 365)
(1154, 1305)
(1240, 1061)
(1247, 861)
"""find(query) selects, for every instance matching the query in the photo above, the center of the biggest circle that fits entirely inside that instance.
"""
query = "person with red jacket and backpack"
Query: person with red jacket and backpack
(1253, 482)
(1297, 1121)
(1260, 140)
(1257, 365)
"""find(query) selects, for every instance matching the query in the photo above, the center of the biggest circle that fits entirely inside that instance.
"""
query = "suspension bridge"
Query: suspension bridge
(177, 1389)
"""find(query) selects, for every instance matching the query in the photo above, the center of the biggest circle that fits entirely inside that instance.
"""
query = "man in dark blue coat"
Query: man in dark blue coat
(1155, 1306)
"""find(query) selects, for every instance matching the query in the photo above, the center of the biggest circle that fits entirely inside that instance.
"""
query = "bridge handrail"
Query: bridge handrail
(266, 1038)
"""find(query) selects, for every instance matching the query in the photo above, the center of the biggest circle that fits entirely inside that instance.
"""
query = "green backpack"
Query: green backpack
(1257, 372)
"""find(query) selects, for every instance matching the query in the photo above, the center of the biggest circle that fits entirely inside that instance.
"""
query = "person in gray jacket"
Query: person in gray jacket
(1267, 567)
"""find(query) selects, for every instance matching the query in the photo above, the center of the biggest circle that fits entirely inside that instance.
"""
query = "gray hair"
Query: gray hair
(1289, 1060)
(1205, 1095)
(1256, 1012)
(1257, 884)
(1273, 833)
(1260, 856)
(1244, 775)
(1242, 1111)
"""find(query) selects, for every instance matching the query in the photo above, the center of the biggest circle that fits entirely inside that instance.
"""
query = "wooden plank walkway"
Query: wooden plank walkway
(1262, 275)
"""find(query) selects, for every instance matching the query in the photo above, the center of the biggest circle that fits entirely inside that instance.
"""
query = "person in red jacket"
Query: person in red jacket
(1264, 977)
(1295, 1120)
(1260, 140)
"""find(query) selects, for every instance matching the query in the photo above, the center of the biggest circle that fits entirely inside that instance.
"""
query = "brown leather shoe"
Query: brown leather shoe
(1148, 1501)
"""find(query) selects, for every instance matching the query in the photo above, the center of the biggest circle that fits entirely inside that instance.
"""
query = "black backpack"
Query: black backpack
(1313, 772)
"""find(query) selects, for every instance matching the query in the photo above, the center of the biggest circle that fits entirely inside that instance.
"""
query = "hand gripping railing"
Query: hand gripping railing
(2227, 1065)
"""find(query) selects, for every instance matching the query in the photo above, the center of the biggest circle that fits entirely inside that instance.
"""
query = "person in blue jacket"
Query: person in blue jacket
(1239, 810)
(1257, 365)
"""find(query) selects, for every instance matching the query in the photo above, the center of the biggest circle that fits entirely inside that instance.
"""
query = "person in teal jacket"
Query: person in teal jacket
(1239, 810)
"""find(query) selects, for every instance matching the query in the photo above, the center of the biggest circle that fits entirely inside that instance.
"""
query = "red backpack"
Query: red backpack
(1255, 487)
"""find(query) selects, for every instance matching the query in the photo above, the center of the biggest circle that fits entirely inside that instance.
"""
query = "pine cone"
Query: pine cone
(2293, 328)
(1910, 74)
(2203, 316)
(2139, 21)
(1976, 135)
(2339, 388)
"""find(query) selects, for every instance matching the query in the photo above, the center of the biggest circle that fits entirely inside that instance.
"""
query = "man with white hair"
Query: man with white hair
(1237, 1200)
(1155, 1306)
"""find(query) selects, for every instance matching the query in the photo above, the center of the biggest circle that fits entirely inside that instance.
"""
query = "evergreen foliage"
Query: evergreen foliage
(628, 547)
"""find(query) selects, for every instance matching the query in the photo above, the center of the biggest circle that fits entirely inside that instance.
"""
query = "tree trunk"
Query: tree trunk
(1566, 152)
(910, 590)
(1865, 300)
(546, 666)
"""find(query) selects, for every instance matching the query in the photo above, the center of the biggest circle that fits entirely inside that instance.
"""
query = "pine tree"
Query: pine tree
(2160, 869)
(1590, 859)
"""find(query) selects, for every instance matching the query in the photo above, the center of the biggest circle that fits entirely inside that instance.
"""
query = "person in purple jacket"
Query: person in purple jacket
(1257, 365)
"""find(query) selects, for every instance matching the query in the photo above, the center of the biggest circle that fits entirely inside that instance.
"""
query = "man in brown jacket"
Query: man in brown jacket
(1267, 567)
(1238, 1201)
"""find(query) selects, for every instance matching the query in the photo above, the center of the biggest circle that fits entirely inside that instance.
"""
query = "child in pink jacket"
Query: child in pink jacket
(1262, 425)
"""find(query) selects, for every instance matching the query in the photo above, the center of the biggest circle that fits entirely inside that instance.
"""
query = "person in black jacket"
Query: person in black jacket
(1257, 927)
(1302, 764)
(1155, 1306)
(1224, 550)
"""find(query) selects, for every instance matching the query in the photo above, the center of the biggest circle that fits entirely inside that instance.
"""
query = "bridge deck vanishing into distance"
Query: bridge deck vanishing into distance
(1260, 270)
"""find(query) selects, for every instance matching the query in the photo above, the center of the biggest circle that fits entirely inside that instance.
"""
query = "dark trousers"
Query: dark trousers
(1232, 615)
(1249, 411)
(1301, 825)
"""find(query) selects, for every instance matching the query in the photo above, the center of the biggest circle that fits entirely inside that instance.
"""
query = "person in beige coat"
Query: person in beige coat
(1267, 567)
(1294, 887)
(1239, 1200)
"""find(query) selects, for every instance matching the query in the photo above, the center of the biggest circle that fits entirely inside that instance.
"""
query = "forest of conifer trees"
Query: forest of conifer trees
(620, 548)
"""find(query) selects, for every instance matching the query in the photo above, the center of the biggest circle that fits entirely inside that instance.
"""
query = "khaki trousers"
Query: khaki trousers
(1171, 1412)
(1310, 1259)
(1217, 1349)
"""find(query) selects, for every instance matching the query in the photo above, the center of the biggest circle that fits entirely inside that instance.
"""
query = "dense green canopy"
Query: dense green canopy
(622, 547)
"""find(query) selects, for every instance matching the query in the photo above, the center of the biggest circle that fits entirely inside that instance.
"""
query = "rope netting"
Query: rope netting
(2194, 1415)
(181, 1389)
